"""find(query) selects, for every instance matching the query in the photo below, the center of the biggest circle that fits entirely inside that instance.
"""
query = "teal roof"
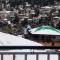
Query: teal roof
(48, 27)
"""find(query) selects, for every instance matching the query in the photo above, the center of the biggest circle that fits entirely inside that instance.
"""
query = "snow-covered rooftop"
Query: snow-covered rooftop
(11, 40)
(45, 30)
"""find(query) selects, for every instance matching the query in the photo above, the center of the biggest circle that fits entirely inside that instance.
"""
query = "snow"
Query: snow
(46, 7)
(28, 50)
(23, 50)
(56, 17)
(8, 40)
(11, 40)
(5, 11)
(32, 30)
(45, 32)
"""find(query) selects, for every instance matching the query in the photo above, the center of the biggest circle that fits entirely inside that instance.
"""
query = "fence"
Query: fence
(29, 55)
(32, 53)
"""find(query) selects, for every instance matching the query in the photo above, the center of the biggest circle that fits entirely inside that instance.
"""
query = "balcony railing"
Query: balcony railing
(28, 53)
(32, 55)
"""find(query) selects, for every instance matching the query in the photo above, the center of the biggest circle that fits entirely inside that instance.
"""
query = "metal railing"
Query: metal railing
(12, 50)
(26, 54)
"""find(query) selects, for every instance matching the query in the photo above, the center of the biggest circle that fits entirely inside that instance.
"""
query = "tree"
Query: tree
(59, 12)
(58, 26)
(36, 12)
(24, 23)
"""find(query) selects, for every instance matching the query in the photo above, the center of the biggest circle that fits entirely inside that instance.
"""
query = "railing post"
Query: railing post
(58, 56)
(13, 56)
(1, 56)
(37, 57)
(48, 57)
(25, 56)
